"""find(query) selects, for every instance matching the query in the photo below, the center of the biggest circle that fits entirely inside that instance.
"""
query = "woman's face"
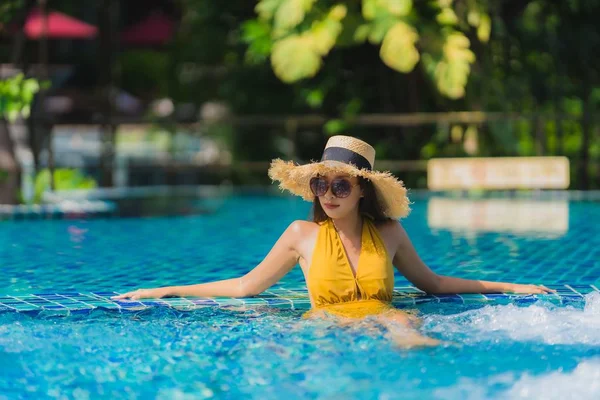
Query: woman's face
(338, 207)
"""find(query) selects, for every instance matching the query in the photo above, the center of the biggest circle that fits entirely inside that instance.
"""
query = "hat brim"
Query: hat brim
(391, 193)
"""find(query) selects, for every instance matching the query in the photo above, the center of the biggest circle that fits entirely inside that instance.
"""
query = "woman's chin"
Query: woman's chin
(335, 213)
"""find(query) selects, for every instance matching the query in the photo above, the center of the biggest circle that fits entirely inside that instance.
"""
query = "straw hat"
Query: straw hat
(347, 155)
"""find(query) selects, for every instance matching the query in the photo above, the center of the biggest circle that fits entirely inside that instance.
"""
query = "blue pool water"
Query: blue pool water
(503, 349)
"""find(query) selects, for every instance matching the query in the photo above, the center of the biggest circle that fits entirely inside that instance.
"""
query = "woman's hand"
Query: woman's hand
(532, 289)
(156, 293)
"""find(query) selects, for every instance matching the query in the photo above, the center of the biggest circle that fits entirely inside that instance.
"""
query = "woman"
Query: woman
(348, 251)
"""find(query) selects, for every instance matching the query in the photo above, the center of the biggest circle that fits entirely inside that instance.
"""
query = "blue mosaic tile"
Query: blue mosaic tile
(453, 298)
(282, 298)
(79, 265)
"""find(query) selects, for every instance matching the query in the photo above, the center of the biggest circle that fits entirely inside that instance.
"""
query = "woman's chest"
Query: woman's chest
(349, 252)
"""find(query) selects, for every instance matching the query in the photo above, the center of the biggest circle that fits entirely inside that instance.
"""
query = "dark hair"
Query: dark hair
(367, 205)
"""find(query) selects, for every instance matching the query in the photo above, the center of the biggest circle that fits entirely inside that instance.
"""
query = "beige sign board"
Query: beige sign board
(498, 173)
(550, 217)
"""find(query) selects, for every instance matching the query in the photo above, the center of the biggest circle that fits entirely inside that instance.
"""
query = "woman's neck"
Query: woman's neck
(350, 226)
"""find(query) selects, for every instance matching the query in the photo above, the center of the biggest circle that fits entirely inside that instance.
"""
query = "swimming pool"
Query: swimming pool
(61, 337)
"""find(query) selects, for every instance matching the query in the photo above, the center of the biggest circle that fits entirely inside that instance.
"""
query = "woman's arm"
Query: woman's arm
(280, 260)
(408, 262)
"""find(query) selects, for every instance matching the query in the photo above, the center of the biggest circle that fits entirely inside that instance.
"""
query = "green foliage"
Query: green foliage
(302, 32)
(257, 33)
(483, 23)
(8, 8)
(398, 50)
(342, 58)
(314, 97)
(451, 68)
(289, 14)
(335, 127)
(16, 95)
(374, 9)
(64, 179)
(296, 56)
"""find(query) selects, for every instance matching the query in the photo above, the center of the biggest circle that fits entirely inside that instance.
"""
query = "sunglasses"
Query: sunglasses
(340, 187)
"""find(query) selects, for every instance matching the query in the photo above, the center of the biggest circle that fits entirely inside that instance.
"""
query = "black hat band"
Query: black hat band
(346, 156)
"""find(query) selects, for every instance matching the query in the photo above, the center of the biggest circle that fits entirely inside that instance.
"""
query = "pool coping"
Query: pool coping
(64, 209)
(67, 303)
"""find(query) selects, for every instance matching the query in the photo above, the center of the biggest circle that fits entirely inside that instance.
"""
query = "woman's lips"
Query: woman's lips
(331, 206)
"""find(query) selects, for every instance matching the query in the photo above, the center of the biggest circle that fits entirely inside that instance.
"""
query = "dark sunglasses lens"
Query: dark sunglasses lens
(318, 186)
(341, 188)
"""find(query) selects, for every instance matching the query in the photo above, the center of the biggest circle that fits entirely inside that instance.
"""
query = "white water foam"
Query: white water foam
(583, 383)
(542, 323)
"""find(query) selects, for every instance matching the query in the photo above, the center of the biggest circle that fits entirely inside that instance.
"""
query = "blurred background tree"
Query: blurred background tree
(535, 61)
(346, 58)
(16, 95)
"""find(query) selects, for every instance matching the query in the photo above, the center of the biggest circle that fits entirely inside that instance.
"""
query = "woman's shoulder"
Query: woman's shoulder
(390, 228)
(390, 224)
(303, 228)
(302, 233)
(390, 232)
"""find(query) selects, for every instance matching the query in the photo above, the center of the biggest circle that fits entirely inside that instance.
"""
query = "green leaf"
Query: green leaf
(16, 95)
(257, 34)
(289, 14)
(314, 98)
(338, 12)
(14, 86)
(369, 9)
(473, 18)
(325, 33)
(399, 8)
(484, 29)
(398, 50)
(362, 33)
(41, 184)
(28, 90)
(379, 28)
(266, 8)
(457, 48)
(335, 126)
(25, 111)
(294, 58)
(452, 71)
(299, 56)
(64, 179)
(373, 9)
(31, 86)
(447, 17)
(12, 115)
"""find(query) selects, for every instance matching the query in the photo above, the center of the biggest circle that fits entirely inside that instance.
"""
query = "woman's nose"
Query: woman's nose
(329, 194)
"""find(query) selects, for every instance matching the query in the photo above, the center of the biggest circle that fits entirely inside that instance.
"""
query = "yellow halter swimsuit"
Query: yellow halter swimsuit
(335, 288)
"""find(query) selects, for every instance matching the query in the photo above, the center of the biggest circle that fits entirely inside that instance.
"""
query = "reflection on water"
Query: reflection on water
(496, 351)
(499, 215)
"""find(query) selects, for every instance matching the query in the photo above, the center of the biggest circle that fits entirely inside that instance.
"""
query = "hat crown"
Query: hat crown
(353, 144)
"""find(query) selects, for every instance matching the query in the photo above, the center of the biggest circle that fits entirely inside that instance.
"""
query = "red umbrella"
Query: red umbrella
(58, 26)
(157, 29)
